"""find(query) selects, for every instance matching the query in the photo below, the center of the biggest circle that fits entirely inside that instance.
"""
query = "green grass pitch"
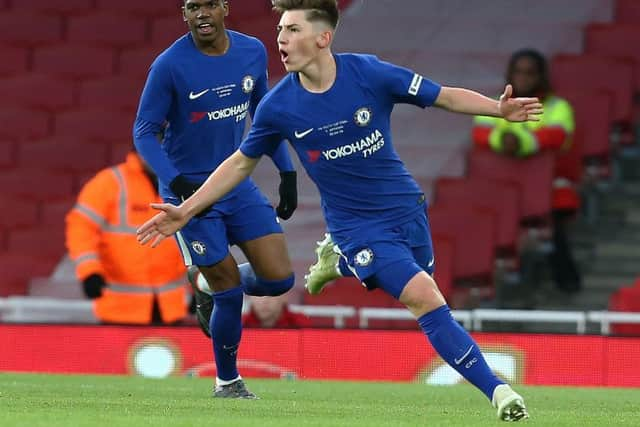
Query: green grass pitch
(55, 400)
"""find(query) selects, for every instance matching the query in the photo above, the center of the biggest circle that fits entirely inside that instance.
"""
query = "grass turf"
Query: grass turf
(55, 400)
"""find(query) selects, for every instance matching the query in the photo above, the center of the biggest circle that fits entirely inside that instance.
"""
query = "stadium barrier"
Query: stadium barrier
(365, 355)
(50, 310)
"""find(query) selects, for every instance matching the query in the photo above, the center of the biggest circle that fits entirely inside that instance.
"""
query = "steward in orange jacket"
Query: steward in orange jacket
(129, 283)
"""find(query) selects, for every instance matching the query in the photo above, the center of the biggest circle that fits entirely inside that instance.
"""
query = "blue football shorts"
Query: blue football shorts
(388, 257)
(245, 216)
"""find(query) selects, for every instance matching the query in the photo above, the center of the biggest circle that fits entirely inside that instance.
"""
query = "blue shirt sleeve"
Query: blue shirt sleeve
(280, 156)
(264, 136)
(403, 85)
(154, 105)
(147, 142)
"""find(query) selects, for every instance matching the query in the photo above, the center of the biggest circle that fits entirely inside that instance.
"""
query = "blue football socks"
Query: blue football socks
(458, 349)
(226, 331)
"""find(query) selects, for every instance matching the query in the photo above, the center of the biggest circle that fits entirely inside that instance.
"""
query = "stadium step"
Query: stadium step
(607, 281)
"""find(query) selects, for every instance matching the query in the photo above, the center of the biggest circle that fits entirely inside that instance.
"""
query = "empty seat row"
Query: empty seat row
(81, 7)
(576, 73)
(16, 269)
(15, 59)
(27, 213)
(627, 11)
(617, 41)
(95, 124)
(64, 155)
(36, 184)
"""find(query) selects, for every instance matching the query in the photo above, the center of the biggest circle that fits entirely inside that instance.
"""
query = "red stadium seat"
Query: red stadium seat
(95, 125)
(14, 29)
(18, 269)
(54, 213)
(7, 153)
(136, 62)
(65, 7)
(81, 178)
(349, 291)
(21, 123)
(106, 29)
(159, 8)
(118, 151)
(41, 242)
(165, 30)
(17, 212)
(36, 184)
(15, 60)
(12, 288)
(625, 299)
(503, 197)
(473, 232)
(74, 61)
(37, 91)
(628, 11)
(63, 155)
(534, 176)
(616, 40)
(444, 250)
(113, 93)
(247, 10)
(591, 139)
(576, 73)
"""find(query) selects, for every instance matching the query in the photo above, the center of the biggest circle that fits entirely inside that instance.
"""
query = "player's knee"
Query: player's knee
(274, 288)
(221, 276)
(421, 295)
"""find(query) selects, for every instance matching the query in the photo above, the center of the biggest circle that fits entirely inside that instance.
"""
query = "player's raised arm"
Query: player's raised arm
(469, 102)
(172, 218)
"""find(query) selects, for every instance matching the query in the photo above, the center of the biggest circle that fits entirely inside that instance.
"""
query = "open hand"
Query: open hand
(162, 225)
(519, 109)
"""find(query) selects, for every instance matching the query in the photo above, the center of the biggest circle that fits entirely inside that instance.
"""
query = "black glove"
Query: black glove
(288, 195)
(183, 189)
(93, 285)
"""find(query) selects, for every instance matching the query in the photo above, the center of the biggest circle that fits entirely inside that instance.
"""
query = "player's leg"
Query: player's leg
(269, 262)
(203, 243)
(329, 266)
(254, 227)
(325, 269)
(388, 260)
(453, 343)
(226, 326)
(202, 294)
(510, 405)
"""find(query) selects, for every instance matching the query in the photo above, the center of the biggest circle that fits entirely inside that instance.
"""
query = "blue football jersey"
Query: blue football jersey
(343, 139)
(202, 103)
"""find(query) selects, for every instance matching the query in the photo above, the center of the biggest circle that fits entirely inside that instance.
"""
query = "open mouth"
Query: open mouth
(205, 28)
(284, 55)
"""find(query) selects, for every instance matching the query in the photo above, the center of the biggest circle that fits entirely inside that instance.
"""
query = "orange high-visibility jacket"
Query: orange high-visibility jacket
(101, 239)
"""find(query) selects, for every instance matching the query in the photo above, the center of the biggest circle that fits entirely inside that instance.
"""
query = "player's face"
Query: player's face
(205, 19)
(297, 40)
(526, 78)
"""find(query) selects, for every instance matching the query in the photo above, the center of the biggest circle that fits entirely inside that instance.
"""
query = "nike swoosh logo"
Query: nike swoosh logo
(301, 135)
(193, 96)
(431, 262)
(464, 356)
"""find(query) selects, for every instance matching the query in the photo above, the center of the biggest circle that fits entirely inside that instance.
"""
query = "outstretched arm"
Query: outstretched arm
(172, 218)
(469, 102)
